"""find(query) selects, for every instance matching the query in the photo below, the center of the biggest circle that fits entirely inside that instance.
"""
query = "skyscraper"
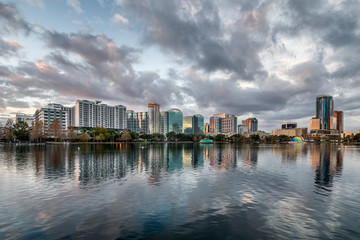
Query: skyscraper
(198, 126)
(175, 120)
(193, 124)
(339, 115)
(154, 118)
(324, 111)
(252, 124)
(188, 124)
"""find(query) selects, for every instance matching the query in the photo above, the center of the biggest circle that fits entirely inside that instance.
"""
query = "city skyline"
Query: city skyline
(255, 58)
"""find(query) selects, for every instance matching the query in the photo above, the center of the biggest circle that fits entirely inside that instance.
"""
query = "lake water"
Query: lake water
(180, 191)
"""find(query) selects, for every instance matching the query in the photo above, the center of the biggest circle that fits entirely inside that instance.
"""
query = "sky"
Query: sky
(263, 59)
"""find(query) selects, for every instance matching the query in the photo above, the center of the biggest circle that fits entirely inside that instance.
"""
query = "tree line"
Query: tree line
(22, 132)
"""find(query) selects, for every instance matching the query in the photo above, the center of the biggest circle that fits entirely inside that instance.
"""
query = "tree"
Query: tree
(171, 136)
(220, 137)
(21, 131)
(84, 137)
(72, 134)
(125, 136)
(9, 130)
(357, 137)
(37, 132)
(55, 129)
(255, 137)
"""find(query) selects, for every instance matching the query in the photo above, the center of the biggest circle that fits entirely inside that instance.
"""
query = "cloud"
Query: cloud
(75, 5)
(8, 47)
(264, 58)
(118, 19)
(11, 22)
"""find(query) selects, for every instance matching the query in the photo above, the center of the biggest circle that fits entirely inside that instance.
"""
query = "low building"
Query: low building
(242, 129)
(289, 125)
(29, 119)
(292, 132)
(259, 132)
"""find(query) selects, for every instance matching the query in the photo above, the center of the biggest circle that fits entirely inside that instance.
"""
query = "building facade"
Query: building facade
(29, 119)
(229, 125)
(137, 121)
(339, 116)
(242, 129)
(50, 113)
(188, 124)
(154, 118)
(324, 110)
(252, 124)
(215, 125)
(289, 125)
(175, 121)
(193, 124)
(95, 114)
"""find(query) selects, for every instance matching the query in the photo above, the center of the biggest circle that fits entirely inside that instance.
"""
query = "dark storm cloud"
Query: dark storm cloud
(224, 50)
(11, 20)
(194, 30)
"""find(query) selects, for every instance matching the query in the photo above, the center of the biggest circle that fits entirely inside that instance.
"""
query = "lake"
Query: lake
(180, 191)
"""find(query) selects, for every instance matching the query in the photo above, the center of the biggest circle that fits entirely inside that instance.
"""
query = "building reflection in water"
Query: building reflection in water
(93, 164)
(249, 155)
(327, 160)
(290, 153)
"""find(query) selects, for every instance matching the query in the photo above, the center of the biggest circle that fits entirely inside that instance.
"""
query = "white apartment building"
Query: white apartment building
(29, 119)
(50, 113)
(94, 114)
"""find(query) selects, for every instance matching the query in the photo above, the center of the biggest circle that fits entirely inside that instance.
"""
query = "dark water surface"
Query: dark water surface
(180, 191)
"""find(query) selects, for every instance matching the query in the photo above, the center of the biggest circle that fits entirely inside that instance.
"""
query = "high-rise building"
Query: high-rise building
(50, 113)
(25, 118)
(94, 114)
(188, 124)
(324, 110)
(154, 118)
(206, 127)
(223, 123)
(198, 126)
(193, 124)
(137, 121)
(175, 121)
(215, 125)
(339, 115)
(315, 124)
(171, 121)
(252, 124)
(229, 125)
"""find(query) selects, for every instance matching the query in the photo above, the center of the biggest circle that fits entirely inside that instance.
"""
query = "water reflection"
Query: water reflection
(327, 160)
(193, 190)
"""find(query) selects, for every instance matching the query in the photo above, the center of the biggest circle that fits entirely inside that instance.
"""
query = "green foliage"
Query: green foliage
(284, 138)
(21, 131)
(357, 137)
(100, 134)
(220, 137)
(255, 137)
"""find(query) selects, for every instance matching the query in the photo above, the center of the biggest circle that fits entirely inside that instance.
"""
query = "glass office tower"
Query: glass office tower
(175, 122)
(198, 125)
(188, 124)
(324, 110)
